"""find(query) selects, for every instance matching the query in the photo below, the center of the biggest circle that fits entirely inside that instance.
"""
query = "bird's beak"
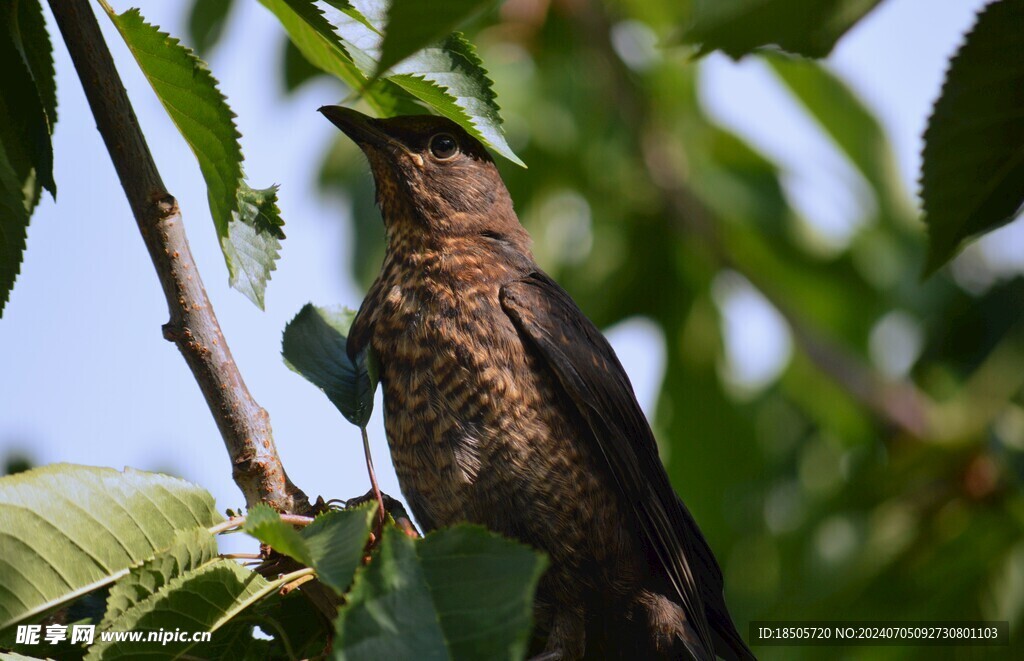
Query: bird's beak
(361, 128)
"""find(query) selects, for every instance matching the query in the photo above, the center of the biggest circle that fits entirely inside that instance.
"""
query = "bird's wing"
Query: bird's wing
(591, 375)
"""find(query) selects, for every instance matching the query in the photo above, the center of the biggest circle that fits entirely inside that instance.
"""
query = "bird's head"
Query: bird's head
(433, 178)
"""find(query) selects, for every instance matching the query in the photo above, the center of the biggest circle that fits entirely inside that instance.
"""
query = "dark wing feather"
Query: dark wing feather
(591, 375)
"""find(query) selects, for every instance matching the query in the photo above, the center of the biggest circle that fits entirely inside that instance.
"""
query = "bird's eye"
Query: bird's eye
(443, 146)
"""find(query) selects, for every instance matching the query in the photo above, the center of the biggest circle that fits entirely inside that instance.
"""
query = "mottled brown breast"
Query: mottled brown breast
(477, 427)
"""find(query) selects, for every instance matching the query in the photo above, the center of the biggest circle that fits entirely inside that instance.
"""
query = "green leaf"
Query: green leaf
(28, 108)
(449, 78)
(265, 524)
(412, 25)
(13, 227)
(452, 80)
(850, 124)
(247, 220)
(336, 541)
(314, 345)
(27, 97)
(316, 39)
(254, 243)
(206, 21)
(972, 175)
(299, 628)
(235, 641)
(33, 41)
(459, 593)
(66, 530)
(332, 545)
(202, 599)
(803, 27)
(189, 550)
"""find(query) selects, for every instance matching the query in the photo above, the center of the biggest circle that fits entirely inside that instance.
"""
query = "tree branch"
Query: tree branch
(243, 424)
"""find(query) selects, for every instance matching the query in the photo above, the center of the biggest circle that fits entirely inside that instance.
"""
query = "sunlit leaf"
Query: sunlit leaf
(449, 78)
(412, 25)
(317, 40)
(203, 599)
(972, 174)
(66, 530)
(254, 240)
(189, 550)
(247, 220)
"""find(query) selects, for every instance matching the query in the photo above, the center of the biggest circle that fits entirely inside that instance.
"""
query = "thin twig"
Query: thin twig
(239, 521)
(193, 327)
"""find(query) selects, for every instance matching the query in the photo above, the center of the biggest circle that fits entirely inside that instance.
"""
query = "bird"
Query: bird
(506, 407)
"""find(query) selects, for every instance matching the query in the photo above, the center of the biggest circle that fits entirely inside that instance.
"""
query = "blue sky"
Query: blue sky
(89, 379)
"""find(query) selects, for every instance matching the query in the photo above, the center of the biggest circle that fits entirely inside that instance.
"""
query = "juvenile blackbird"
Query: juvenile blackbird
(505, 406)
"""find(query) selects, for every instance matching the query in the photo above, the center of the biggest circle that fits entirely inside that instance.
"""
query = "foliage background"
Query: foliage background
(754, 272)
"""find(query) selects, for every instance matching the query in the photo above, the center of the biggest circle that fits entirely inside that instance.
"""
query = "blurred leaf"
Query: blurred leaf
(972, 174)
(459, 593)
(65, 529)
(202, 599)
(804, 27)
(332, 545)
(850, 124)
(189, 550)
(314, 345)
(412, 25)
(968, 328)
(189, 93)
(206, 21)
(296, 69)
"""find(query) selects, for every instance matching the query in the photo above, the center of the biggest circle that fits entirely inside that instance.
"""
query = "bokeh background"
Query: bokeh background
(849, 436)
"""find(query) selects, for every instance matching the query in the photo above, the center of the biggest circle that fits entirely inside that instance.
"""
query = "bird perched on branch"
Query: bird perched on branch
(505, 406)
